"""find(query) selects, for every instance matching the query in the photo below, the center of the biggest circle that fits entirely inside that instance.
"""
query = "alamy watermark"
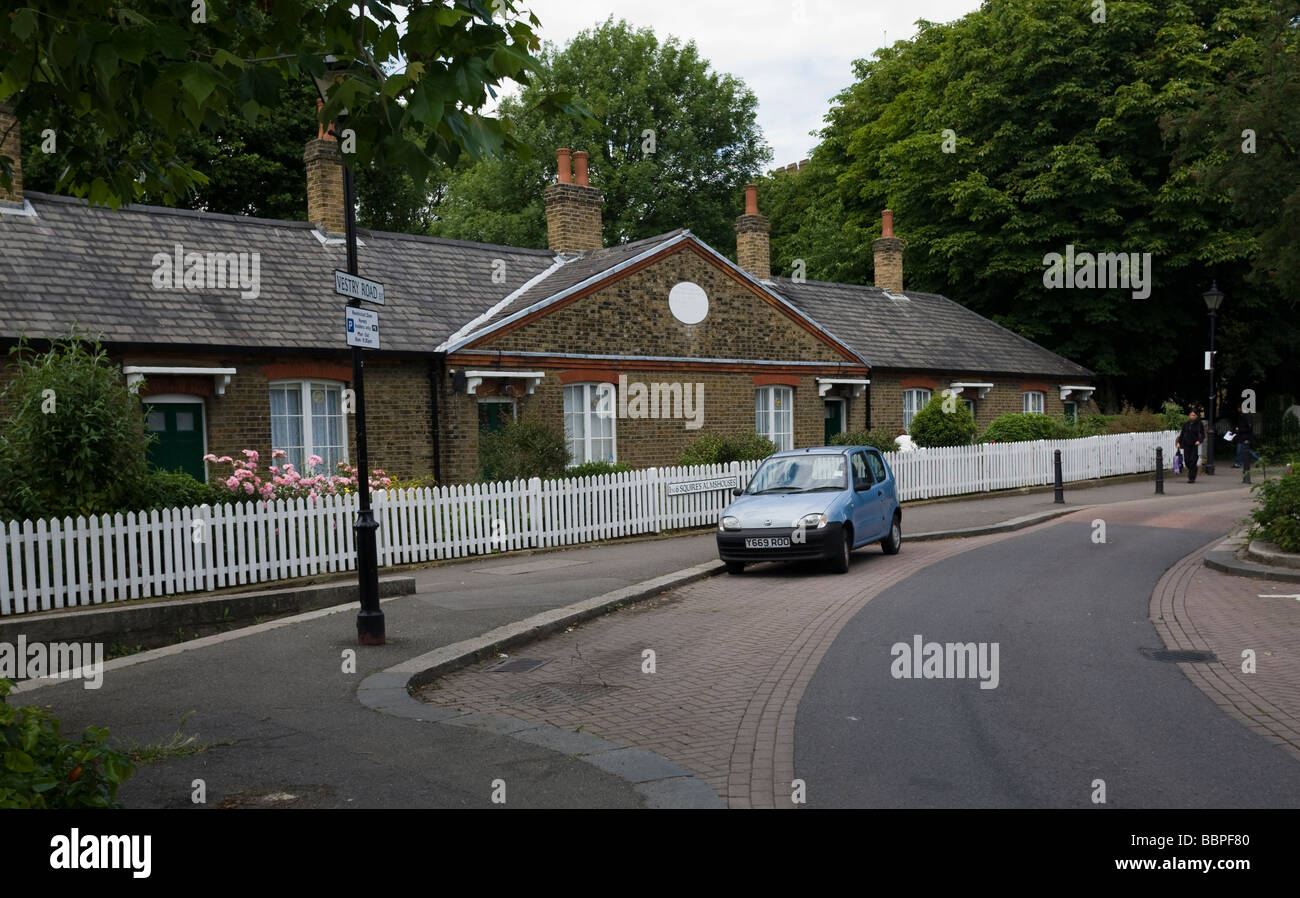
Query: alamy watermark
(1127, 271)
(53, 660)
(179, 270)
(945, 661)
(655, 400)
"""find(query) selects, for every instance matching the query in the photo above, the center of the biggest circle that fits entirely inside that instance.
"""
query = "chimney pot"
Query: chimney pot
(888, 251)
(753, 247)
(325, 205)
(572, 210)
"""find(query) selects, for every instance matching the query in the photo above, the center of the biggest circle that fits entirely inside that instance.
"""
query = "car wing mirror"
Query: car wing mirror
(736, 491)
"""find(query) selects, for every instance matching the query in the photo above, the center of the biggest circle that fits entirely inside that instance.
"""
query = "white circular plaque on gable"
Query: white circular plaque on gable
(688, 302)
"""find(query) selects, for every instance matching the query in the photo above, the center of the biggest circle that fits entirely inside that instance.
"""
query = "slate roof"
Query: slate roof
(920, 331)
(74, 264)
(93, 267)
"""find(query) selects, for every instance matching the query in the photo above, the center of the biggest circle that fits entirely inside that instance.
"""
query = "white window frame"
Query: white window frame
(783, 440)
(914, 395)
(1027, 403)
(590, 390)
(309, 447)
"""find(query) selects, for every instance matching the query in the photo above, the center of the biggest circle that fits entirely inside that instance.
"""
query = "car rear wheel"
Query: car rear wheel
(735, 567)
(840, 560)
(894, 541)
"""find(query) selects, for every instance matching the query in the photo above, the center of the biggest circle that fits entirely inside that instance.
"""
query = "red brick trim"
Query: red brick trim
(158, 384)
(307, 369)
(588, 375)
(925, 383)
(599, 368)
(784, 380)
(1035, 388)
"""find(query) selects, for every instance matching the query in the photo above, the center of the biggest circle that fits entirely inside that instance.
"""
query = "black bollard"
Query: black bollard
(1160, 471)
(1060, 487)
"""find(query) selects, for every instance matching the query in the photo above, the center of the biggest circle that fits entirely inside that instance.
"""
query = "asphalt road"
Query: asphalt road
(1076, 699)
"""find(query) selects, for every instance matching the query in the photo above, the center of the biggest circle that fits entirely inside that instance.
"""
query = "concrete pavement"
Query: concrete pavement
(281, 707)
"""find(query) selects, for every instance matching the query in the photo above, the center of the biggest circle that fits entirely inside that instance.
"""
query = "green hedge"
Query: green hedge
(1015, 427)
(522, 450)
(714, 449)
(943, 421)
(596, 468)
(41, 769)
(1277, 514)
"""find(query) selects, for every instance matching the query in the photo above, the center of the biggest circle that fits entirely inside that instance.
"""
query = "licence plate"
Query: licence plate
(768, 542)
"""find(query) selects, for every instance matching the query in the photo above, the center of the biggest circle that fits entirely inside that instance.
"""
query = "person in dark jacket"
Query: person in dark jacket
(1189, 443)
(1245, 443)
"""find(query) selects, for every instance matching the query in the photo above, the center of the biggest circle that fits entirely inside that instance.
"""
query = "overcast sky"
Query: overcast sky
(794, 54)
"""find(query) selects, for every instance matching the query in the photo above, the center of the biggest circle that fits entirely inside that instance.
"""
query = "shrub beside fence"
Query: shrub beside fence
(85, 561)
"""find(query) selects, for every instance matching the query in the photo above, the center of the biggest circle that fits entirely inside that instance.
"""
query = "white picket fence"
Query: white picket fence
(51, 564)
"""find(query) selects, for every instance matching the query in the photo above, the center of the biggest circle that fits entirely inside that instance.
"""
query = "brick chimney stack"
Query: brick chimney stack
(11, 145)
(324, 180)
(753, 249)
(889, 256)
(572, 206)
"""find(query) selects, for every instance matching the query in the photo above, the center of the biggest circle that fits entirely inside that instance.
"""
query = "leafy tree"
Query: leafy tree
(414, 89)
(74, 439)
(943, 421)
(1026, 126)
(689, 172)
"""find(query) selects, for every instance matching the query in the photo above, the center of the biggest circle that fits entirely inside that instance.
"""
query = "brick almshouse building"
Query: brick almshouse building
(473, 334)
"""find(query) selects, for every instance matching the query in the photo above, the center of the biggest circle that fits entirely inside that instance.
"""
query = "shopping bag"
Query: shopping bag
(1178, 462)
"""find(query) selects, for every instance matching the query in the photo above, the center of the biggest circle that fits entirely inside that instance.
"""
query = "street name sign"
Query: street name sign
(685, 487)
(358, 287)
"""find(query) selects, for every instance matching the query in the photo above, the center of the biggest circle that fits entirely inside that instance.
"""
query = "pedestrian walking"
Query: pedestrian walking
(1245, 443)
(1189, 442)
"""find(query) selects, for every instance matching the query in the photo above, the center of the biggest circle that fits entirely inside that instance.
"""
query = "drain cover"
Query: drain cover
(549, 695)
(1176, 656)
(517, 665)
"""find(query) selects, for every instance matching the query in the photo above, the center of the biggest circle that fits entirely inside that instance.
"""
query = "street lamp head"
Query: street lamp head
(1213, 297)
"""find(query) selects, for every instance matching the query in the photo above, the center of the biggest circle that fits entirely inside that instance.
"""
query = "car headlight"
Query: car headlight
(729, 522)
(812, 520)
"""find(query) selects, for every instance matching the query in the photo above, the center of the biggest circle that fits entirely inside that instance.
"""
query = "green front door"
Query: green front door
(834, 419)
(179, 428)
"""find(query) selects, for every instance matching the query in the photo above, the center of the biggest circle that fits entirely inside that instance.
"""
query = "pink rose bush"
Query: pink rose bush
(285, 482)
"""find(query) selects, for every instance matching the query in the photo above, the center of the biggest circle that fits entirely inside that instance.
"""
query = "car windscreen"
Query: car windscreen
(799, 474)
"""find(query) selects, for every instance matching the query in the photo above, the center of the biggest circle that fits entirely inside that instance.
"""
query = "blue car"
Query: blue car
(812, 504)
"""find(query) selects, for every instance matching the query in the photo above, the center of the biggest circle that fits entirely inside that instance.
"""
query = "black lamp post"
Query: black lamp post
(1213, 299)
(370, 619)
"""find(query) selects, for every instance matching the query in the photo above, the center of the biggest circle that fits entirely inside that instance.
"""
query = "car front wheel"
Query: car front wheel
(894, 541)
(840, 560)
(735, 567)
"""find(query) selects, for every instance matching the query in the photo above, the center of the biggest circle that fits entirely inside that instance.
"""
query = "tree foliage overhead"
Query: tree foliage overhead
(705, 144)
(1063, 131)
(105, 71)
